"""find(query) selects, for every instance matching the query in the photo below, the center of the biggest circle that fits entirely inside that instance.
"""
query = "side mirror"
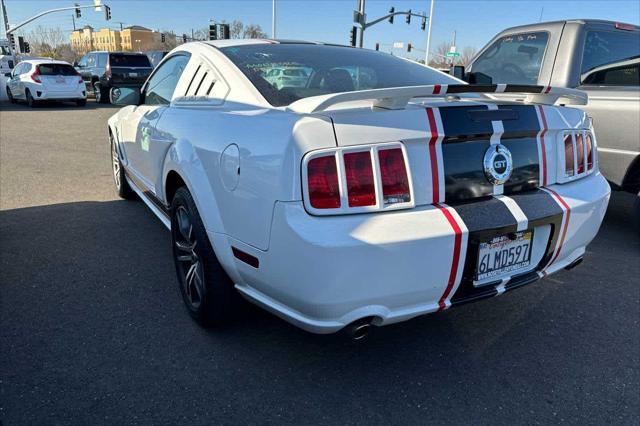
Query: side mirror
(124, 96)
(457, 71)
(7, 74)
(76, 64)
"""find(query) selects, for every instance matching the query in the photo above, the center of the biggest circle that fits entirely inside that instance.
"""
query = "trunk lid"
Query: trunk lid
(447, 143)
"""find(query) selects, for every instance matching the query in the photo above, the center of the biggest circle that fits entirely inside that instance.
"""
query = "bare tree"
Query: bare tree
(50, 42)
(468, 54)
(236, 30)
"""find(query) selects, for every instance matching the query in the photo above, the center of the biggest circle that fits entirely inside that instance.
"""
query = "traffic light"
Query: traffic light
(213, 32)
(184, 38)
(409, 47)
(391, 12)
(107, 12)
(223, 32)
(27, 48)
(78, 11)
(423, 25)
(354, 33)
(20, 44)
(377, 46)
(409, 17)
(12, 40)
(162, 37)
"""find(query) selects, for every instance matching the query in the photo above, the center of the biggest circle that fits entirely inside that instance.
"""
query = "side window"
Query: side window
(164, 80)
(17, 70)
(611, 58)
(83, 61)
(513, 59)
(102, 59)
(91, 60)
(26, 68)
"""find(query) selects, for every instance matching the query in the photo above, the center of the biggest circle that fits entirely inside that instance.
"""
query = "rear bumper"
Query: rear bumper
(68, 95)
(322, 273)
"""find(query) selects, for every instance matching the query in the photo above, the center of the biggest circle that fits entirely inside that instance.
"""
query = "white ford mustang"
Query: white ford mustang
(376, 191)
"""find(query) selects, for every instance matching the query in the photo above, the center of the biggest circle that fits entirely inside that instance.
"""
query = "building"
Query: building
(134, 38)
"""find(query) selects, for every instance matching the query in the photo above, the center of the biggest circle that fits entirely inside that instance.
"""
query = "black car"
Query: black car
(103, 70)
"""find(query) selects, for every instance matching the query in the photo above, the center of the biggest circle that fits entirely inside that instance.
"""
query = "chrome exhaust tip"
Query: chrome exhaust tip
(574, 264)
(359, 329)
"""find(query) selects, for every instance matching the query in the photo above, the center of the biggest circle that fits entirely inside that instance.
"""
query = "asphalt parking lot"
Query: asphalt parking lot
(93, 330)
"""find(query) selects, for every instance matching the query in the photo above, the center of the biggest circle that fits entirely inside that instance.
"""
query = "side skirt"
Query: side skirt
(150, 200)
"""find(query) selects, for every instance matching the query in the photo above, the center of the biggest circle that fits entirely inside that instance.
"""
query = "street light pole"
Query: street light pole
(273, 19)
(362, 27)
(426, 55)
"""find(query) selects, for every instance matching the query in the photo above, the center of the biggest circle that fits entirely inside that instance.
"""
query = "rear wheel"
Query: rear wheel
(81, 102)
(207, 291)
(10, 96)
(102, 94)
(30, 101)
(122, 186)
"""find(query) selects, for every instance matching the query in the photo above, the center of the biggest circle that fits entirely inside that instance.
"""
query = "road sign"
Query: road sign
(398, 45)
(452, 54)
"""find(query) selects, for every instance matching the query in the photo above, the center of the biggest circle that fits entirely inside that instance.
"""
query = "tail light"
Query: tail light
(589, 147)
(322, 181)
(568, 155)
(36, 75)
(357, 180)
(576, 155)
(395, 183)
(80, 79)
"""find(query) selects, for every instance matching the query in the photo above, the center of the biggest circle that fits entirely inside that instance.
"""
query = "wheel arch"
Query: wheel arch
(631, 181)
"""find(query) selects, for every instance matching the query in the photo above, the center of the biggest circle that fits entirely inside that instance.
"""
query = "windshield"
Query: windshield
(285, 73)
(56, 69)
(514, 59)
(121, 60)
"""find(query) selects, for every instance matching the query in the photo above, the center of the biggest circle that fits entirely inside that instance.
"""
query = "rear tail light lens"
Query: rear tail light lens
(589, 147)
(322, 181)
(580, 152)
(36, 75)
(395, 183)
(568, 155)
(360, 185)
(357, 180)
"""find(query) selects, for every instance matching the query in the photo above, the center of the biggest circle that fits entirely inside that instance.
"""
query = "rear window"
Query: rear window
(321, 69)
(120, 60)
(56, 69)
(514, 59)
(611, 58)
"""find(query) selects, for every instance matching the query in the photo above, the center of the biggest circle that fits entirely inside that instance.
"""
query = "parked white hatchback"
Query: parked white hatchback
(45, 80)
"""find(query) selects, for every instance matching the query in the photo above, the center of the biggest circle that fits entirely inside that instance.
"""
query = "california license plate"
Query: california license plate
(504, 254)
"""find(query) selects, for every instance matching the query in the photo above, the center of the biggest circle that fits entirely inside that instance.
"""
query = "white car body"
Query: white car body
(25, 78)
(245, 162)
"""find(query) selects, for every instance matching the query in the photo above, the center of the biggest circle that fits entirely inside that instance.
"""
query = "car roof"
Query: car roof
(249, 41)
(45, 61)
(565, 21)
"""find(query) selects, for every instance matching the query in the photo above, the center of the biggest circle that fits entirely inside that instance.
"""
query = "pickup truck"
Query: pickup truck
(601, 58)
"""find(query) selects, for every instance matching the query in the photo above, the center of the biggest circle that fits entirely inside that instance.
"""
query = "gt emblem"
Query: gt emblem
(498, 164)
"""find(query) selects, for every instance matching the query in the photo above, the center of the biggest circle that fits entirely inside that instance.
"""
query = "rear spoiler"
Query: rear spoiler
(399, 97)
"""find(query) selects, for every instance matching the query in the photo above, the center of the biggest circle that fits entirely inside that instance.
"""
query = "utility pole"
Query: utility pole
(453, 58)
(192, 35)
(273, 19)
(73, 18)
(426, 55)
(361, 7)
(6, 30)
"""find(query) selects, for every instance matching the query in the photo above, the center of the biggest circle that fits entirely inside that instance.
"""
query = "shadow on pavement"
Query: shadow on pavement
(93, 327)
(55, 106)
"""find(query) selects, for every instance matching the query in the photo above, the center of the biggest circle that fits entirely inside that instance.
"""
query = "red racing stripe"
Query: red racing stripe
(457, 244)
(543, 150)
(436, 89)
(547, 90)
(566, 223)
(433, 155)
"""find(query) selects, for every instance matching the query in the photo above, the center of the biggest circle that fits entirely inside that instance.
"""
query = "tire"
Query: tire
(102, 93)
(81, 102)
(122, 186)
(636, 213)
(30, 101)
(207, 291)
(10, 96)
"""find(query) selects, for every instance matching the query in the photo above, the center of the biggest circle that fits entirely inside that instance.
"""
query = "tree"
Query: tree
(439, 58)
(50, 42)
(468, 54)
(236, 30)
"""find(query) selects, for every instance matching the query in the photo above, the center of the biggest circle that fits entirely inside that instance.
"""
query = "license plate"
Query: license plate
(59, 79)
(504, 254)
(133, 74)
